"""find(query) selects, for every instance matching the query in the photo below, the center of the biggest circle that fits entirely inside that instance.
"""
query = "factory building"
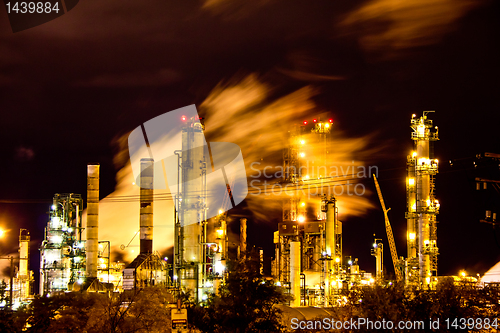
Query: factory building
(68, 260)
(62, 253)
(148, 268)
(308, 242)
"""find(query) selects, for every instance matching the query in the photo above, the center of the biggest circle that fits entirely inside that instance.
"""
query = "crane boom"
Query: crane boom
(388, 229)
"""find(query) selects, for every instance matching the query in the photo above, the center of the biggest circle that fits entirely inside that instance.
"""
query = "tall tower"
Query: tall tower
(191, 227)
(146, 211)
(92, 230)
(422, 206)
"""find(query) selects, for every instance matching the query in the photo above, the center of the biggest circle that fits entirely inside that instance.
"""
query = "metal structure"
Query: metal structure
(378, 253)
(422, 206)
(308, 250)
(146, 209)
(148, 268)
(24, 275)
(390, 236)
(200, 249)
(92, 228)
(62, 253)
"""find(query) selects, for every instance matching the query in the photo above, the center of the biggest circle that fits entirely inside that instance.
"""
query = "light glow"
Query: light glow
(412, 236)
(301, 218)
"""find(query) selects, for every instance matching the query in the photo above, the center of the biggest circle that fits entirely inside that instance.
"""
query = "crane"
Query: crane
(390, 236)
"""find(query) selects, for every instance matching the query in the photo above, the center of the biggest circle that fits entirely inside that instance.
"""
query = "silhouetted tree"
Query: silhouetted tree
(246, 303)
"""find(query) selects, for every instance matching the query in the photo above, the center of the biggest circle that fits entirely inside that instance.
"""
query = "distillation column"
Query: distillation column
(422, 206)
(333, 249)
(92, 220)
(192, 205)
(24, 274)
(146, 210)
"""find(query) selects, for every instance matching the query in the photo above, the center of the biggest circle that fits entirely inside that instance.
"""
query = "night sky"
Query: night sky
(71, 88)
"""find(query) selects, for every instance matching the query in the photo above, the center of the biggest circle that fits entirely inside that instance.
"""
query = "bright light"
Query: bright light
(411, 181)
(428, 202)
(305, 122)
(307, 176)
(132, 251)
(301, 218)
(77, 259)
(463, 274)
(70, 230)
(426, 242)
(330, 120)
(53, 207)
(302, 204)
(337, 260)
(302, 154)
(221, 211)
(327, 125)
(204, 297)
(56, 239)
(2, 232)
(372, 280)
(219, 267)
(220, 232)
(166, 258)
(302, 142)
(350, 262)
(183, 118)
(411, 236)
(414, 154)
(175, 277)
(314, 120)
(413, 115)
(375, 245)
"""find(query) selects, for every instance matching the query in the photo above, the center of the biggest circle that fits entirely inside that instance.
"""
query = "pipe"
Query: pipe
(92, 244)
(146, 202)
(295, 272)
(243, 236)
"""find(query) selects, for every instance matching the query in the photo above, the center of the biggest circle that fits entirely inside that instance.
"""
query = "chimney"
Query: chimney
(92, 219)
(146, 212)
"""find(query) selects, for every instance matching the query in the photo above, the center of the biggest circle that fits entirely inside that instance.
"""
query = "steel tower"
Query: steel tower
(422, 206)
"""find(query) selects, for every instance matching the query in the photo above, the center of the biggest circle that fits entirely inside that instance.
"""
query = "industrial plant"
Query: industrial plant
(308, 261)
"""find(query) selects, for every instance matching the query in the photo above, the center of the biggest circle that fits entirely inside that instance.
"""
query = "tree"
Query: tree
(246, 303)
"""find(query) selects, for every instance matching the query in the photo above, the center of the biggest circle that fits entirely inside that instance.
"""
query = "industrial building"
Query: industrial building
(308, 243)
(309, 261)
(70, 260)
(148, 268)
(200, 246)
(422, 206)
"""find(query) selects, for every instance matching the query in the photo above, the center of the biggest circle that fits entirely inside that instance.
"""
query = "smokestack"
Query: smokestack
(23, 274)
(243, 236)
(146, 212)
(92, 218)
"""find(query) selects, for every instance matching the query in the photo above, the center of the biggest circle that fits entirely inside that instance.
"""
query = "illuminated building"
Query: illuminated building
(422, 206)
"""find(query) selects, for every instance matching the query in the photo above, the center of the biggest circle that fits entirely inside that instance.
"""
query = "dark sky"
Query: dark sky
(72, 86)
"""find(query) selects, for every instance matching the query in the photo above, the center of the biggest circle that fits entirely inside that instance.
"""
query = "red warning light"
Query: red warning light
(183, 118)
(330, 120)
(305, 122)
(314, 120)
